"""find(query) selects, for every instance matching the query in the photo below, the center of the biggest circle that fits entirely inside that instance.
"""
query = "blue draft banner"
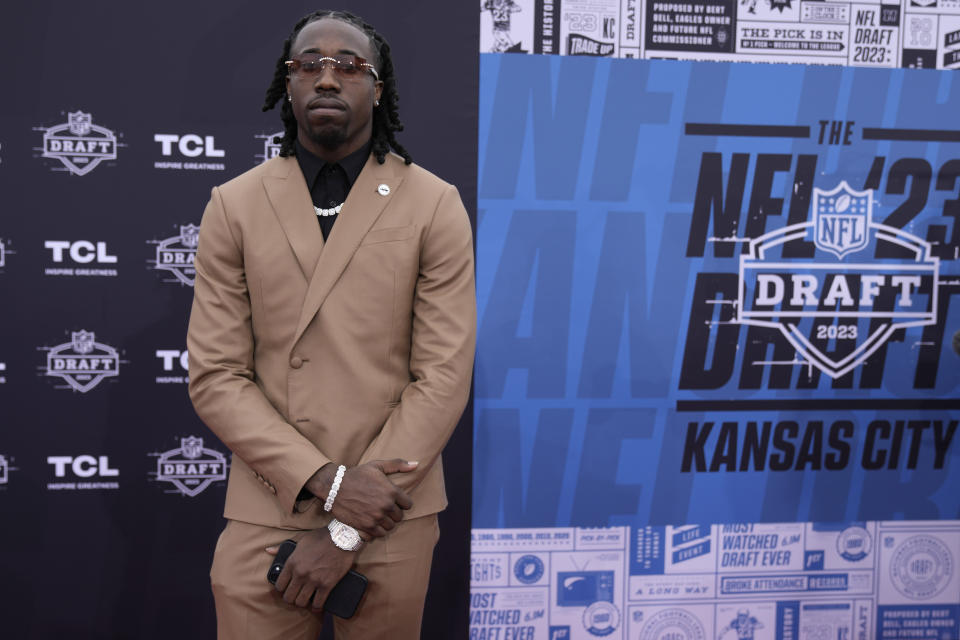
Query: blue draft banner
(716, 304)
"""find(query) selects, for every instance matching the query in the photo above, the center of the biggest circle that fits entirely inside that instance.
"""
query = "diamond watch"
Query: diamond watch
(344, 536)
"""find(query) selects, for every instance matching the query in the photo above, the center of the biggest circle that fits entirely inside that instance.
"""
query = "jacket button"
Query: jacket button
(296, 362)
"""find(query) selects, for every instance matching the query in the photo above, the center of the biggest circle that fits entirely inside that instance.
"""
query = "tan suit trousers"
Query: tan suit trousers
(397, 567)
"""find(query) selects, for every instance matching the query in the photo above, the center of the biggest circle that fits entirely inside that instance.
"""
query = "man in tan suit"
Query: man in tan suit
(331, 344)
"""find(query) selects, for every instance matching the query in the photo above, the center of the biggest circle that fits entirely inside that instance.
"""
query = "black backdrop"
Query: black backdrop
(133, 561)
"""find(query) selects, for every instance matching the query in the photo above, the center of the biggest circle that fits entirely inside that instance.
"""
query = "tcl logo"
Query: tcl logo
(170, 356)
(190, 145)
(82, 466)
(82, 251)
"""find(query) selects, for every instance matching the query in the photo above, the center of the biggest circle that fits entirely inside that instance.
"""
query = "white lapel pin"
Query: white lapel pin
(383, 190)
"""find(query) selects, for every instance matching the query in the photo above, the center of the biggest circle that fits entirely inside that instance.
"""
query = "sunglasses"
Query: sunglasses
(345, 66)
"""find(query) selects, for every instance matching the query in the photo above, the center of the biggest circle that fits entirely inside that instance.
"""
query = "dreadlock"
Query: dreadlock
(386, 117)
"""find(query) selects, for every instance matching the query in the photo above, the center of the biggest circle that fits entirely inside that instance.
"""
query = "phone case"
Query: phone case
(286, 548)
(345, 596)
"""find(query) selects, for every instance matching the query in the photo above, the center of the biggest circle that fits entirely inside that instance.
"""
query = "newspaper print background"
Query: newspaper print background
(601, 359)
(918, 34)
(791, 581)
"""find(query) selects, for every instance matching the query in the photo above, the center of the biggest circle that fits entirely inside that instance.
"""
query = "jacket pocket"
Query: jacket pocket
(390, 234)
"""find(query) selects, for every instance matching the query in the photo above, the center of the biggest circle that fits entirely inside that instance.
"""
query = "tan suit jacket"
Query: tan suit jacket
(304, 352)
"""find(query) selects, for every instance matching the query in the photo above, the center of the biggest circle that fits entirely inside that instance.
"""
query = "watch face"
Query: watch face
(351, 537)
(345, 537)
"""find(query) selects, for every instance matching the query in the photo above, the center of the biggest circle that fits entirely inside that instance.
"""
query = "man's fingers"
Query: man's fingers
(292, 591)
(375, 531)
(395, 514)
(387, 524)
(319, 598)
(303, 599)
(272, 550)
(403, 500)
(283, 580)
(396, 465)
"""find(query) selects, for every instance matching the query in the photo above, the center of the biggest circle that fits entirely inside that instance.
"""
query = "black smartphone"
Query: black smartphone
(345, 596)
(286, 548)
(343, 599)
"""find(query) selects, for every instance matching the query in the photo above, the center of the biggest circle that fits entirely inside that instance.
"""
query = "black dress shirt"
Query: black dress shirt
(329, 184)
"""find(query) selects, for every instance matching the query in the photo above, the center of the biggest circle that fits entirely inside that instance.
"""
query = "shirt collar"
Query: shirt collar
(352, 164)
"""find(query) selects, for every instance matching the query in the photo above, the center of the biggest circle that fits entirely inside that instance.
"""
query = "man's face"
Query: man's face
(334, 112)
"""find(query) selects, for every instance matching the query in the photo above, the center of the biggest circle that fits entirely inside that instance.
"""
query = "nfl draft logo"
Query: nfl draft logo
(841, 218)
(176, 255)
(854, 543)
(79, 144)
(834, 310)
(271, 149)
(83, 363)
(191, 468)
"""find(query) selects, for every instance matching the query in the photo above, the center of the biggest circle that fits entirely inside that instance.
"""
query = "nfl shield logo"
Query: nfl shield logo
(271, 149)
(191, 447)
(841, 219)
(189, 235)
(79, 123)
(82, 341)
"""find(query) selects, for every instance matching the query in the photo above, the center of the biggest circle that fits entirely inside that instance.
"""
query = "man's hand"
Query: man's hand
(314, 567)
(367, 500)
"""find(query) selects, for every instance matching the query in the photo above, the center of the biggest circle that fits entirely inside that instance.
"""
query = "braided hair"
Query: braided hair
(386, 117)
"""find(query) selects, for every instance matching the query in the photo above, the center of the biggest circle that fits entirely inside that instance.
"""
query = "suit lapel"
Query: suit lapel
(364, 204)
(287, 191)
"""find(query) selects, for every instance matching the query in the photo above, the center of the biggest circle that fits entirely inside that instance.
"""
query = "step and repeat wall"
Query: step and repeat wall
(715, 391)
(117, 121)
